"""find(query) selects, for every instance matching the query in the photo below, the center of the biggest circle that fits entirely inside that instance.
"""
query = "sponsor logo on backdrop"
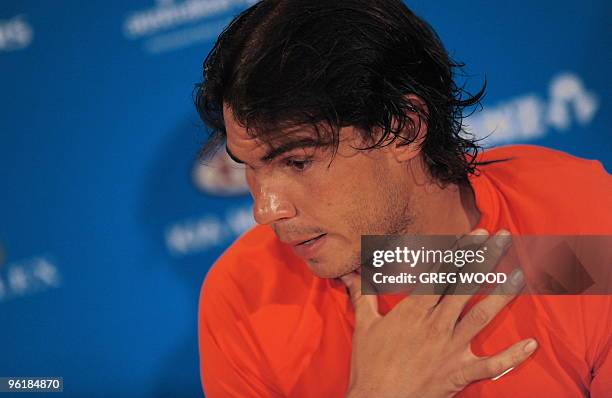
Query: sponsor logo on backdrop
(531, 116)
(221, 177)
(208, 232)
(15, 33)
(27, 277)
(170, 25)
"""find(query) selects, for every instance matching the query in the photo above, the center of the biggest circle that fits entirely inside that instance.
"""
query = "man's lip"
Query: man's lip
(309, 248)
(297, 242)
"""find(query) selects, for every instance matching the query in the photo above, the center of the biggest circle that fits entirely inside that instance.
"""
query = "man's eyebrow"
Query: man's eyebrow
(290, 146)
(276, 152)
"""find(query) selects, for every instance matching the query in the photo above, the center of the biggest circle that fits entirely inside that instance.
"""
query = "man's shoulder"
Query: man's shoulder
(256, 267)
(528, 157)
(257, 249)
(258, 244)
(545, 168)
(548, 187)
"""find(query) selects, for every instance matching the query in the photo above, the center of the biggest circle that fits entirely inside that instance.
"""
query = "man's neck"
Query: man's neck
(448, 210)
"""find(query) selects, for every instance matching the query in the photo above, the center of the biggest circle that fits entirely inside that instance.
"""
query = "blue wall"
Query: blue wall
(107, 224)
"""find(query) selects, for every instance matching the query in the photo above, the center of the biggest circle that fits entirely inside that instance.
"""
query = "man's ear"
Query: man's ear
(408, 144)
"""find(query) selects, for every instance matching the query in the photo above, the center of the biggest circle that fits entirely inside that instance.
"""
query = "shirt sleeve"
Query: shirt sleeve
(230, 365)
(223, 376)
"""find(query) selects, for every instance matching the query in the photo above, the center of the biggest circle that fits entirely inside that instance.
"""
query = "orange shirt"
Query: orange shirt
(269, 328)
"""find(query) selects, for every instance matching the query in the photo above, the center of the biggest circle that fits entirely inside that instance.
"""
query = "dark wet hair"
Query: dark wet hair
(326, 64)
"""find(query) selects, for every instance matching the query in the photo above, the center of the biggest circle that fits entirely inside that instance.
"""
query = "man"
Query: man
(348, 121)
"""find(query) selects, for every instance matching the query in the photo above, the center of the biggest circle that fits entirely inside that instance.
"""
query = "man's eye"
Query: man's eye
(298, 165)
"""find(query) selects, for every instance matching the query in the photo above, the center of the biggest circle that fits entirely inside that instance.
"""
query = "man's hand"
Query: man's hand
(420, 348)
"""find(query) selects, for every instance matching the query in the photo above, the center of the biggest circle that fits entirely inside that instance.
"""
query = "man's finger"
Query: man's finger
(365, 305)
(496, 247)
(485, 310)
(450, 308)
(499, 364)
(428, 295)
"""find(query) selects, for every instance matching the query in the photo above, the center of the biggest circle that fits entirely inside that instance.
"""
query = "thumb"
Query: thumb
(365, 305)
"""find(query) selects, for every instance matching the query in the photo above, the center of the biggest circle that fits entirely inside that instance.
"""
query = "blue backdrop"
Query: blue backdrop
(107, 223)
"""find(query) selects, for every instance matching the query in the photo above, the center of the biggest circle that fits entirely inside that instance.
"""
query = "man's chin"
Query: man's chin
(324, 269)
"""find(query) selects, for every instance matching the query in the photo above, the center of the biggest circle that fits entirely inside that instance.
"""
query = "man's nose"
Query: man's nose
(271, 203)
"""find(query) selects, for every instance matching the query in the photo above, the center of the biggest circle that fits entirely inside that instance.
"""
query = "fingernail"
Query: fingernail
(502, 238)
(479, 236)
(530, 346)
(517, 277)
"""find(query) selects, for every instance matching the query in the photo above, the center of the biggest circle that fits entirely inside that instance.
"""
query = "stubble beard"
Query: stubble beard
(397, 218)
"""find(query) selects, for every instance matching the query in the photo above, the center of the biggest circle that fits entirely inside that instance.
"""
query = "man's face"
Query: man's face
(320, 206)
